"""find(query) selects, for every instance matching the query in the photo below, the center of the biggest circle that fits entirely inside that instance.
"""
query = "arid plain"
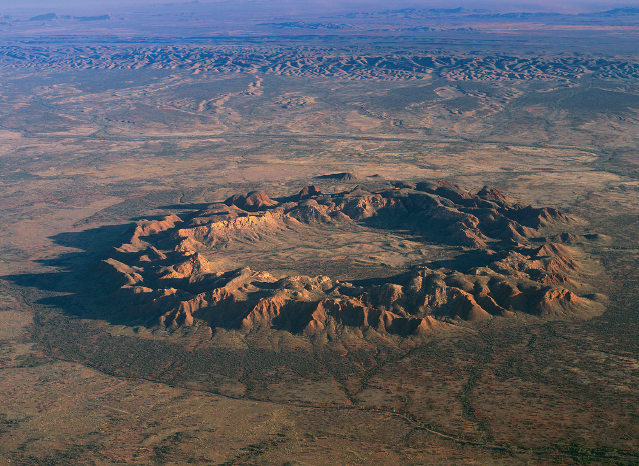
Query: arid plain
(210, 241)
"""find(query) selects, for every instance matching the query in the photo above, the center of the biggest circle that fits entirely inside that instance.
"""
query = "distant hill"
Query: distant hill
(615, 12)
(44, 17)
(54, 16)
(94, 18)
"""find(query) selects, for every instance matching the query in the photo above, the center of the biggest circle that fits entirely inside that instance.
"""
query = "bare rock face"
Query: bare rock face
(309, 192)
(163, 278)
(252, 202)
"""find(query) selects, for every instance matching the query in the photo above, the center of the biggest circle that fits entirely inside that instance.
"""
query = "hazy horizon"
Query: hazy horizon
(281, 6)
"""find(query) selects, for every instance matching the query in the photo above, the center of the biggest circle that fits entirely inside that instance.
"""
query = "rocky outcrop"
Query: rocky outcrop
(253, 201)
(168, 280)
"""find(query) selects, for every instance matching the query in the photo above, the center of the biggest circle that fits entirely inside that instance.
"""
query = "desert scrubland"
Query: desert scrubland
(401, 237)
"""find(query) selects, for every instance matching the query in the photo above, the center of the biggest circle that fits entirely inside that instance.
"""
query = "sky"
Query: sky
(113, 6)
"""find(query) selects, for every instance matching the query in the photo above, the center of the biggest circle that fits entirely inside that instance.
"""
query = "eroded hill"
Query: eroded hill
(167, 277)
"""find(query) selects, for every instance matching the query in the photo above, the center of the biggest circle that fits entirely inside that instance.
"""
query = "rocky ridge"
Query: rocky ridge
(162, 277)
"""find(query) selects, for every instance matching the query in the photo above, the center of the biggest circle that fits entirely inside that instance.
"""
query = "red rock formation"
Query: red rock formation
(165, 284)
(253, 201)
(553, 249)
(492, 194)
(308, 191)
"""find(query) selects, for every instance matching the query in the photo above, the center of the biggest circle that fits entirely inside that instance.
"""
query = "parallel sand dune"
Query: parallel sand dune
(162, 278)
(316, 62)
